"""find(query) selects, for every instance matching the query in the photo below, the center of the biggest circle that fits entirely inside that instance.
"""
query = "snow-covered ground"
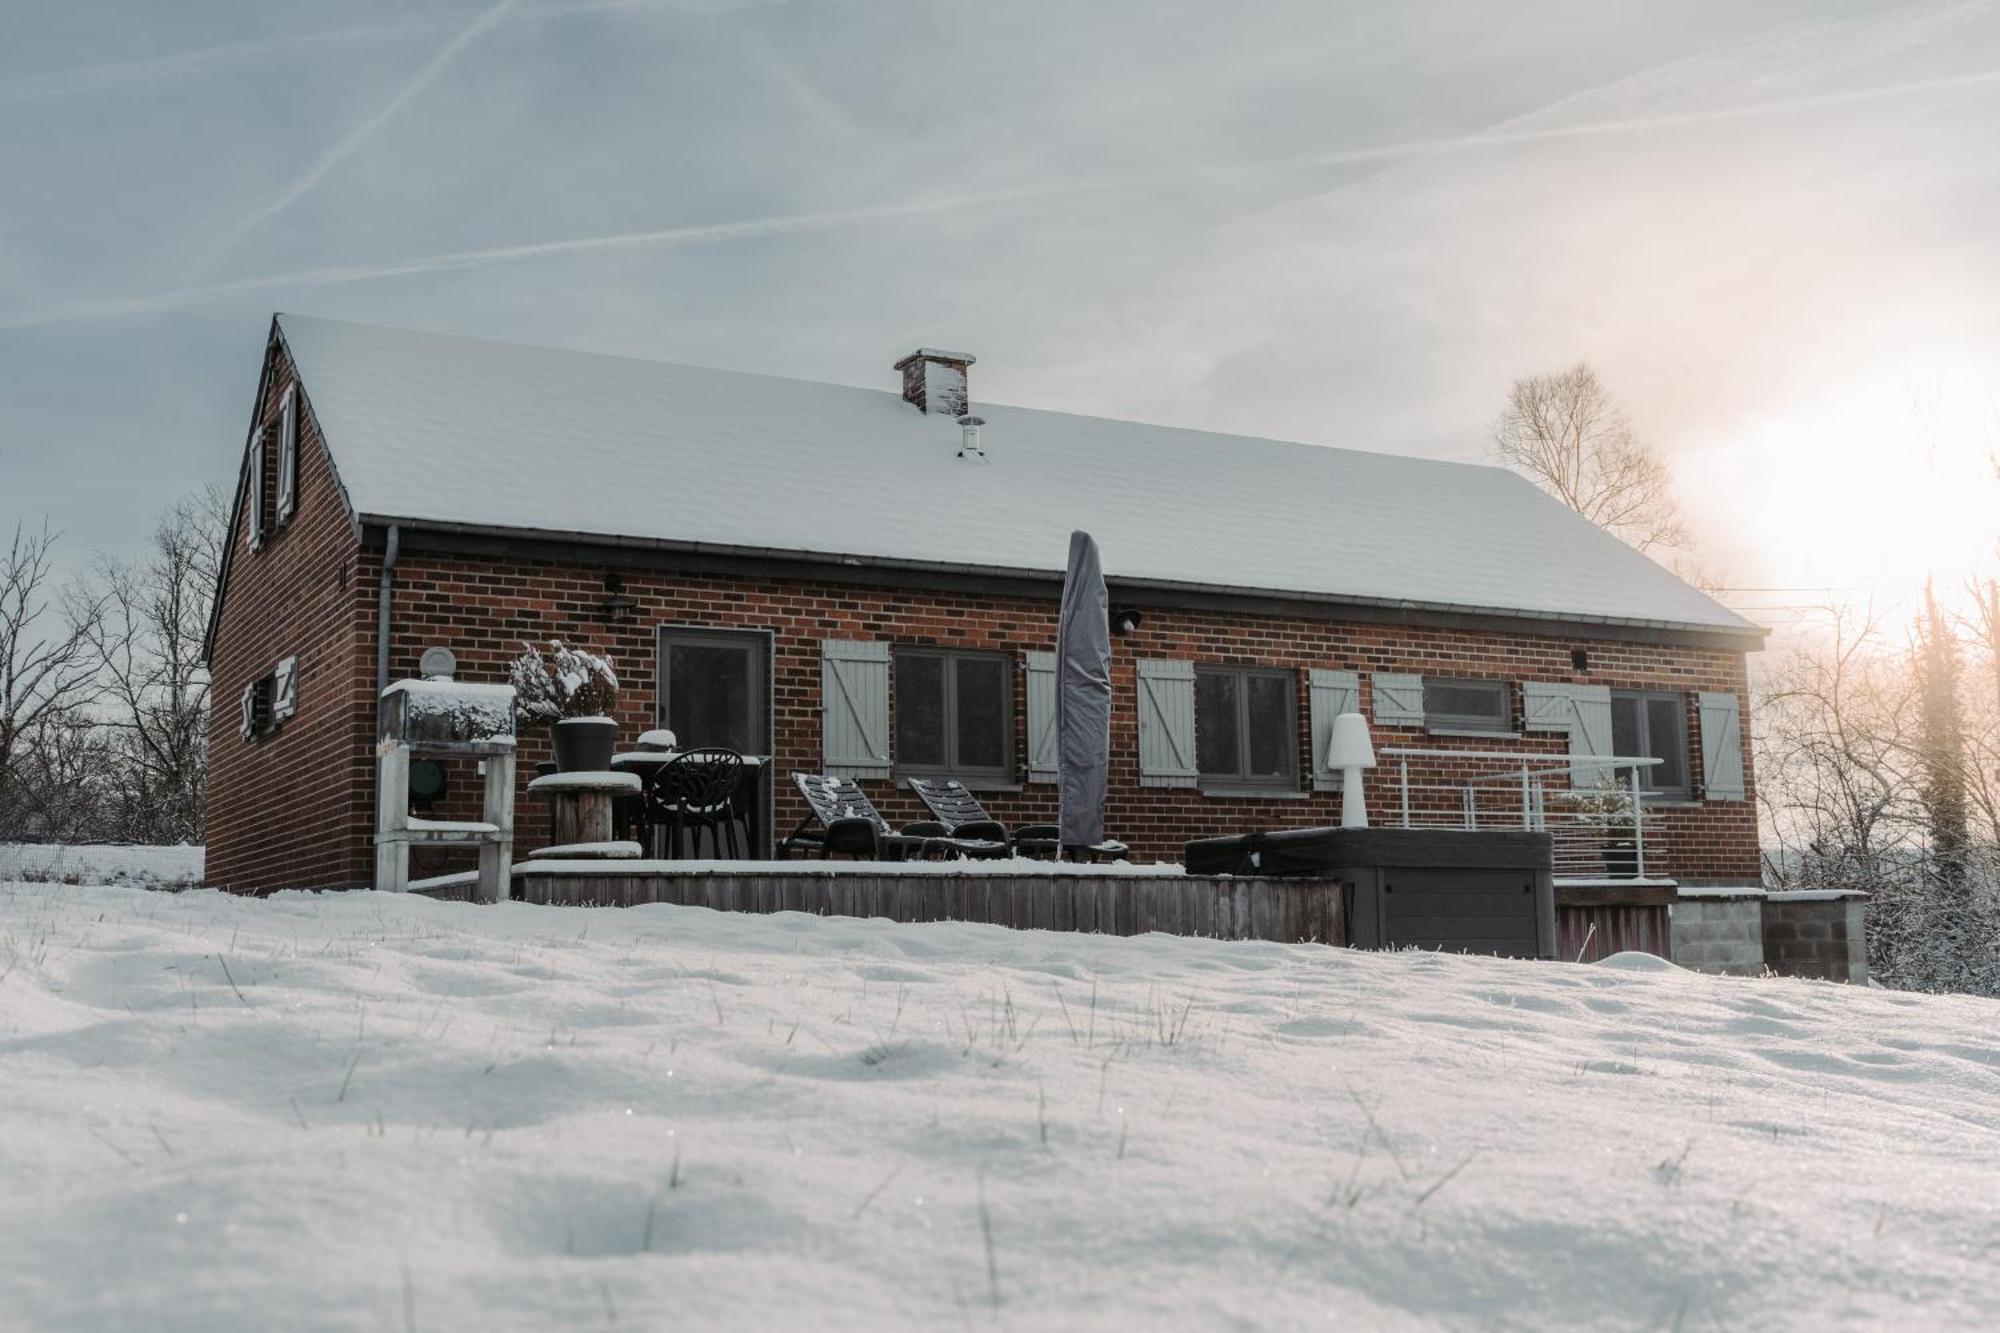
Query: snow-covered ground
(101, 863)
(370, 1112)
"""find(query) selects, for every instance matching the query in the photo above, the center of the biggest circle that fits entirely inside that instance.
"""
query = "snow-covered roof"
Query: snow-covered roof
(429, 428)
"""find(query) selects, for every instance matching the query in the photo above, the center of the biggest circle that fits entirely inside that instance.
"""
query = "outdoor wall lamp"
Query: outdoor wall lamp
(1124, 620)
(1349, 751)
(617, 606)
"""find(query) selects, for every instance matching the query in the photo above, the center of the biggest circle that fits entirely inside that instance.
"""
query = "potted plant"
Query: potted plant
(1608, 809)
(576, 691)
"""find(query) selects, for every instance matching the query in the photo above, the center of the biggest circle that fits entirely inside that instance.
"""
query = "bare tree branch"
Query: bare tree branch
(1565, 434)
(47, 665)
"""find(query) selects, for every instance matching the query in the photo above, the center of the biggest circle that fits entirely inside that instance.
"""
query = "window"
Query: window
(954, 714)
(1246, 726)
(712, 688)
(1466, 705)
(256, 706)
(1653, 725)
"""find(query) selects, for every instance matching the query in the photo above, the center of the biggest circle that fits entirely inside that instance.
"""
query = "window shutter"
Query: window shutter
(1041, 717)
(1331, 693)
(854, 708)
(284, 690)
(256, 487)
(1166, 723)
(1399, 700)
(1590, 733)
(1546, 706)
(249, 724)
(1721, 747)
(288, 452)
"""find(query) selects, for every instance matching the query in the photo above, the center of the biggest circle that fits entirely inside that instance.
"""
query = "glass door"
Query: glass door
(714, 689)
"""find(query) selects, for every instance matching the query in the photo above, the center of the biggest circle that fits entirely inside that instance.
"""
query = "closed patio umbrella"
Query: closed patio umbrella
(1083, 695)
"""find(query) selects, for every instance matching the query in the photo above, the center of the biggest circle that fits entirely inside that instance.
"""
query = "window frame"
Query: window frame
(1241, 778)
(1489, 724)
(1684, 791)
(952, 767)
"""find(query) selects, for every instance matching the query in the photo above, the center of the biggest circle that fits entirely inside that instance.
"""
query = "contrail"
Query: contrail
(662, 237)
(784, 224)
(184, 65)
(356, 137)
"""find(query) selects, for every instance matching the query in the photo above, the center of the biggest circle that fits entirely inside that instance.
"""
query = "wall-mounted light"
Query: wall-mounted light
(1124, 620)
(618, 606)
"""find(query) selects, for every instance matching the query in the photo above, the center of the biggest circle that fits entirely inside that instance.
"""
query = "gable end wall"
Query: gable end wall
(294, 808)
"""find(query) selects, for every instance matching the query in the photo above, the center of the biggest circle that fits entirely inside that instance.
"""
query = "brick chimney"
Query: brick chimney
(934, 381)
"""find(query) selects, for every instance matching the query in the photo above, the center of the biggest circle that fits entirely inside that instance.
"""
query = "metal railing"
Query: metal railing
(1593, 807)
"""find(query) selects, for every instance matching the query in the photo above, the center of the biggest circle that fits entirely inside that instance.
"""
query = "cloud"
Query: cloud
(198, 293)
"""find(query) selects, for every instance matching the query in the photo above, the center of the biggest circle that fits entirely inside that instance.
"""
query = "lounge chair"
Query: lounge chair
(849, 824)
(964, 817)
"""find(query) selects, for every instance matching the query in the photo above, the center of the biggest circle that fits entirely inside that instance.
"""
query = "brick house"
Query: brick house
(858, 581)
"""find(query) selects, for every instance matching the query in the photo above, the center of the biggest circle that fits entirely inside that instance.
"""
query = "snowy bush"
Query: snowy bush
(569, 682)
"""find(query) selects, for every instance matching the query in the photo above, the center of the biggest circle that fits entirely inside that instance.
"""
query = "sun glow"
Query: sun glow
(1859, 498)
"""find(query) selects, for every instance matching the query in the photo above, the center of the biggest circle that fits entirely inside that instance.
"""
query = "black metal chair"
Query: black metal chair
(850, 825)
(696, 794)
(961, 813)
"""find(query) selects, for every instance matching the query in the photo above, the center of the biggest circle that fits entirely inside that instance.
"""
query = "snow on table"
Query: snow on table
(368, 1111)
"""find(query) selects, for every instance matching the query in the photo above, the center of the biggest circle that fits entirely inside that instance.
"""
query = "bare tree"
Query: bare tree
(148, 643)
(47, 664)
(1835, 744)
(1565, 433)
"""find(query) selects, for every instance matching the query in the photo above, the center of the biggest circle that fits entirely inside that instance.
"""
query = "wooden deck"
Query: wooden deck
(1070, 898)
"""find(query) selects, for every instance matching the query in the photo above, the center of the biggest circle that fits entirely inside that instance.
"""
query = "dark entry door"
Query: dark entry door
(715, 689)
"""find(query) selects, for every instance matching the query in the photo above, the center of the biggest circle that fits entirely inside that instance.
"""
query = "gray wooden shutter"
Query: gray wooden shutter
(288, 452)
(256, 487)
(1399, 700)
(1546, 706)
(854, 708)
(249, 705)
(1041, 717)
(1331, 693)
(1166, 723)
(1590, 734)
(285, 690)
(1721, 747)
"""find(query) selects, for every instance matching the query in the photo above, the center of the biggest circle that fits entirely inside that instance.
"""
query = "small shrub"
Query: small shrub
(569, 682)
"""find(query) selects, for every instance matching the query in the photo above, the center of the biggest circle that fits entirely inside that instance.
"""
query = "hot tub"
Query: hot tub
(1459, 890)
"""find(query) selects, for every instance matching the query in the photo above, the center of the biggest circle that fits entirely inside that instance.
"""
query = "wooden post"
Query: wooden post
(392, 817)
(496, 858)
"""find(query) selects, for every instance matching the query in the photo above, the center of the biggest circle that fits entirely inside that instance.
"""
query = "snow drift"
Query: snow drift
(370, 1112)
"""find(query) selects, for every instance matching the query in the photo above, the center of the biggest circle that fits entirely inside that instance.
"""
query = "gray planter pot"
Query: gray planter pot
(584, 744)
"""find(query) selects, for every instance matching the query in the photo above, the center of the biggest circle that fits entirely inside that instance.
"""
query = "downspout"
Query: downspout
(382, 599)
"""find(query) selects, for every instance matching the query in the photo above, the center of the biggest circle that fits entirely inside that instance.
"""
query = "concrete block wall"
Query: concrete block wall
(1816, 933)
(1720, 931)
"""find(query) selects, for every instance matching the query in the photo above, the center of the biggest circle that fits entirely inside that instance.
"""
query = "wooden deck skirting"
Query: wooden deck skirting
(1597, 919)
(1288, 911)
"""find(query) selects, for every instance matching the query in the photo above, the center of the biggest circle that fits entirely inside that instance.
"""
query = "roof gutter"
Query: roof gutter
(1752, 634)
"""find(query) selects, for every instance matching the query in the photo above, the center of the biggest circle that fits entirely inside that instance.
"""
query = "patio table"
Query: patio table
(749, 798)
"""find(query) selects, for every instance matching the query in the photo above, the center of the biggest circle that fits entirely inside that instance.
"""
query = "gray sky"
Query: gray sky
(1769, 226)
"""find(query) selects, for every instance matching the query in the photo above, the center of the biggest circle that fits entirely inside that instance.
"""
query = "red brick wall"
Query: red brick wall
(295, 807)
(484, 608)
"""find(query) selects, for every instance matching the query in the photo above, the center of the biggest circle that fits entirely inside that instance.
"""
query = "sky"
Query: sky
(1769, 227)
